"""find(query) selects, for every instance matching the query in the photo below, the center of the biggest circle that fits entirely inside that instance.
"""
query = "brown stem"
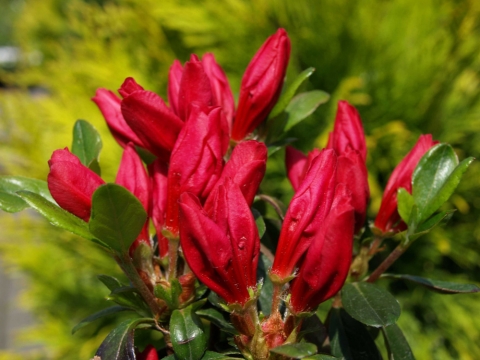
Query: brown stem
(394, 255)
(377, 241)
(125, 262)
(172, 258)
(273, 202)
(277, 291)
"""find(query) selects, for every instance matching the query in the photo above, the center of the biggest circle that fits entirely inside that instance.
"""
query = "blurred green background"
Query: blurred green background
(409, 66)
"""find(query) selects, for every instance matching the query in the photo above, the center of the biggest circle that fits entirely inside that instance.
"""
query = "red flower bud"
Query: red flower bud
(388, 219)
(133, 176)
(174, 79)
(194, 87)
(221, 249)
(348, 141)
(306, 213)
(261, 84)
(297, 164)
(154, 123)
(71, 183)
(109, 105)
(158, 173)
(246, 168)
(148, 354)
(222, 94)
(348, 131)
(196, 162)
(327, 261)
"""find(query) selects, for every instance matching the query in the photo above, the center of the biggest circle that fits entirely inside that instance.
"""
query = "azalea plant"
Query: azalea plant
(185, 218)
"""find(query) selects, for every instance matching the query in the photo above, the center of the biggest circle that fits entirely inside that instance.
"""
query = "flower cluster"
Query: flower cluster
(204, 163)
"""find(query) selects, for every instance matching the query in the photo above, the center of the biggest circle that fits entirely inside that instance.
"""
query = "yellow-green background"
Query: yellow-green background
(409, 66)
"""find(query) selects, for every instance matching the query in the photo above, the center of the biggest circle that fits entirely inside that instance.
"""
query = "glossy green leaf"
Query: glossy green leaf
(265, 298)
(350, 339)
(439, 286)
(435, 179)
(295, 351)
(304, 105)
(98, 315)
(289, 93)
(117, 217)
(217, 318)
(9, 185)
(86, 144)
(211, 355)
(428, 225)
(370, 304)
(259, 222)
(278, 145)
(313, 331)
(405, 204)
(118, 345)
(57, 216)
(397, 345)
(187, 335)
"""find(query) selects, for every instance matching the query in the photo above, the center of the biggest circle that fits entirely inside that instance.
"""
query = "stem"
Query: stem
(273, 202)
(172, 258)
(277, 290)
(394, 255)
(125, 262)
(377, 241)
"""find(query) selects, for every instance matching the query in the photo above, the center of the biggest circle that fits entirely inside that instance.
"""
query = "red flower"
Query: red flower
(197, 160)
(148, 354)
(348, 141)
(152, 121)
(222, 247)
(109, 105)
(261, 84)
(158, 172)
(71, 183)
(246, 168)
(306, 213)
(327, 261)
(388, 219)
(133, 176)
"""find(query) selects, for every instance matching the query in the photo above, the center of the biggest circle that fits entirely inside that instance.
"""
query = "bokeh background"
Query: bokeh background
(409, 66)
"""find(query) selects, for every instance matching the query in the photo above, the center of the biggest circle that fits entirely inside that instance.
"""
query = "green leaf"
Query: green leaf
(57, 216)
(117, 216)
(428, 225)
(211, 355)
(435, 179)
(304, 105)
(98, 315)
(118, 345)
(266, 292)
(289, 93)
(370, 304)
(110, 282)
(259, 222)
(350, 339)
(217, 318)
(313, 331)
(296, 351)
(439, 286)
(187, 335)
(9, 185)
(169, 295)
(321, 357)
(277, 145)
(86, 144)
(405, 204)
(397, 345)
